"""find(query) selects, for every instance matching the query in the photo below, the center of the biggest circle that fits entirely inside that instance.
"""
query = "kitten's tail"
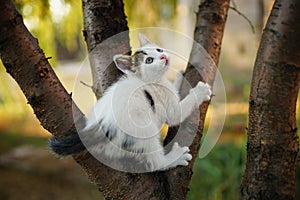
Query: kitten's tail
(77, 142)
(67, 145)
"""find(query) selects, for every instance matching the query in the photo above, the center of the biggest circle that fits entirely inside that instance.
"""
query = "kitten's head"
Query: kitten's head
(150, 62)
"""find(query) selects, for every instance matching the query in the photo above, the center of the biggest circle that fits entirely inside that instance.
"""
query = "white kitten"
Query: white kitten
(126, 120)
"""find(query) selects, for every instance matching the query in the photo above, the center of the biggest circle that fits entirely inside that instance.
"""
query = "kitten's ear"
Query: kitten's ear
(123, 63)
(143, 40)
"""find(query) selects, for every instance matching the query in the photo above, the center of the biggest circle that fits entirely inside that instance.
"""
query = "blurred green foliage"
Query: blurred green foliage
(10, 141)
(57, 24)
(219, 174)
(149, 13)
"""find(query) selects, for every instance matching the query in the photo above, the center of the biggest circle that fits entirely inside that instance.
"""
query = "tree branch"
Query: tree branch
(234, 8)
(210, 25)
(209, 29)
(27, 64)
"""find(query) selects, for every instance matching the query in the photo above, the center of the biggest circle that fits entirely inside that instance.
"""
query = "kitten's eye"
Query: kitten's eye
(159, 50)
(149, 60)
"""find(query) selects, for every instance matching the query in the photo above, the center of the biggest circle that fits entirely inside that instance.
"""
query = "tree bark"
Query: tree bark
(102, 20)
(26, 62)
(272, 145)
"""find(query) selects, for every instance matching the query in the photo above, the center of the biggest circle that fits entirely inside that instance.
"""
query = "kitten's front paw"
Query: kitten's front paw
(202, 92)
(183, 155)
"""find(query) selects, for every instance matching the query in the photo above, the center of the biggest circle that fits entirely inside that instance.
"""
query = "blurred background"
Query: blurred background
(28, 170)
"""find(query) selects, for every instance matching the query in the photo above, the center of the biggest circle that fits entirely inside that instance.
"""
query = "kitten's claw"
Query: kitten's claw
(184, 163)
(181, 154)
(188, 156)
(175, 145)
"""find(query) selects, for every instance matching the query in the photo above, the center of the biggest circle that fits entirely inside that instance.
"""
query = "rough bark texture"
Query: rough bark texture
(272, 133)
(102, 20)
(26, 62)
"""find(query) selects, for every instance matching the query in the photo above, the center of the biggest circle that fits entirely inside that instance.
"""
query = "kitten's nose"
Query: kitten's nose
(163, 57)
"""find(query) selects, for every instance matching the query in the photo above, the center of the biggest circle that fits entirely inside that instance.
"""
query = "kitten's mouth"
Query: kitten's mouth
(164, 57)
(167, 62)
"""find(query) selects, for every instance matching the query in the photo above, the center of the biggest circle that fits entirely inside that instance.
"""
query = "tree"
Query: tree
(27, 64)
(272, 146)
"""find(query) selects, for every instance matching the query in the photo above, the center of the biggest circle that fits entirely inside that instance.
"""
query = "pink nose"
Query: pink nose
(163, 57)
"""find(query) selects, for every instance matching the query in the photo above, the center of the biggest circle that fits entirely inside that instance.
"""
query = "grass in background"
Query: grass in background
(218, 175)
(10, 141)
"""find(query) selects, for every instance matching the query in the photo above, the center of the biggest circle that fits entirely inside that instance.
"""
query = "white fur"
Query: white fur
(125, 111)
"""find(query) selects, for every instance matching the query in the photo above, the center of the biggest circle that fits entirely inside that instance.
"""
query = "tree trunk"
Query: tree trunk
(102, 20)
(272, 133)
(209, 29)
(26, 62)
